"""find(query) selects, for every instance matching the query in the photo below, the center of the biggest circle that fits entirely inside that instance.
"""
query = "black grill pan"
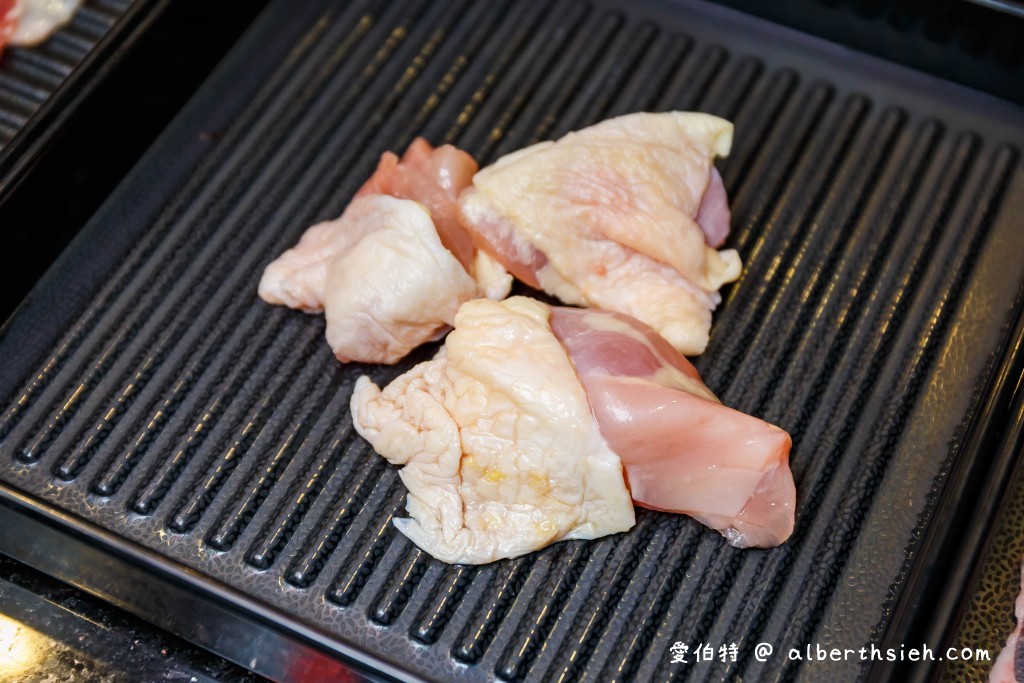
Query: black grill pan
(161, 423)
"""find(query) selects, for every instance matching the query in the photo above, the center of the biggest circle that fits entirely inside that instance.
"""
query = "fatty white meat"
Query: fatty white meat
(30, 22)
(381, 276)
(500, 452)
(383, 273)
(533, 421)
(1009, 665)
(623, 215)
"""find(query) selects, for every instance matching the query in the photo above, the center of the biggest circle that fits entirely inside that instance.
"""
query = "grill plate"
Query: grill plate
(151, 394)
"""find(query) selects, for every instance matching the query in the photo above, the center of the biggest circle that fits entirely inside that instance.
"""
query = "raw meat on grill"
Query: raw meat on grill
(381, 276)
(683, 450)
(383, 273)
(435, 177)
(10, 11)
(500, 452)
(532, 420)
(622, 215)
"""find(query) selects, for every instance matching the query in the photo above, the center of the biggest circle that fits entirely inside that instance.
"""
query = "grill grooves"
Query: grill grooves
(564, 78)
(408, 574)
(260, 488)
(540, 615)
(731, 89)
(303, 494)
(624, 640)
(812, 259)
(882, 439)
(368, 546)
(509, 97)
(607, 79)
(691, 83)
(192, 382)
(759, 117)
(152, 490)
(784, 146)
(234, 329)
(211, 306)
(785, 232)
(659, 63)
(284, 391)
(206, 184)
(593, 615)
(305, 569)
(834, 320)
(481, 629)
(242, 508)
(495, 56)
(91, 441)
(508, 644)
(866, 377)
(201, 411)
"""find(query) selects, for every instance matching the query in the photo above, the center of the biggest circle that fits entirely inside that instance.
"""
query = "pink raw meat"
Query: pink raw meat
(713, 214)
(433, 177)
(683, 451)
(496, 236)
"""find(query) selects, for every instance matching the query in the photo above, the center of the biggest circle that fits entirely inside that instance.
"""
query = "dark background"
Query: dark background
(109, 133)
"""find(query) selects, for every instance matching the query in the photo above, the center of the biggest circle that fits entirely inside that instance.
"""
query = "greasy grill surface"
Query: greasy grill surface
(874, 210)
(29, 76)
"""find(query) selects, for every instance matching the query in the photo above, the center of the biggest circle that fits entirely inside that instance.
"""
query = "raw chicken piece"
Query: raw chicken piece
(1009, 666)
(434, 177)
(501, 453)
(380, 274)
(30, 22)
(617, 216)
(516, 434)
(683, 450)
(389, 275)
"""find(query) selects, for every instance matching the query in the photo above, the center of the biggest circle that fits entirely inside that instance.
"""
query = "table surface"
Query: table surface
(50, 631)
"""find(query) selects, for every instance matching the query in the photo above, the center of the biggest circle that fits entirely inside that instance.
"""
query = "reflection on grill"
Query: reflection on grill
(182, 413)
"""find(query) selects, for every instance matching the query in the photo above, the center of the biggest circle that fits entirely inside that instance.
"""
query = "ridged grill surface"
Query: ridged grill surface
(874, 212)
(30, 75)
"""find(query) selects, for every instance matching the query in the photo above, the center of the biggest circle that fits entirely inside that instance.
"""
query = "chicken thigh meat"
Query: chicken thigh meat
(623, 215)
(390, 273)
(536, 424)
(500, 452)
